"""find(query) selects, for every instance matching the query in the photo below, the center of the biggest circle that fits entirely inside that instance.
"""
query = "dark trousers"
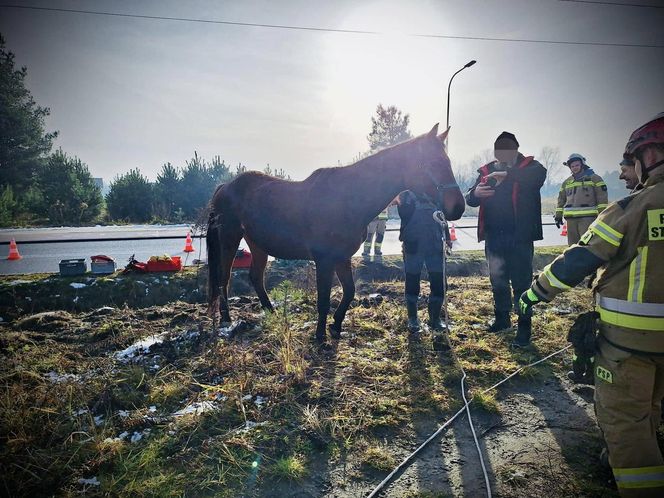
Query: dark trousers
(510, 262)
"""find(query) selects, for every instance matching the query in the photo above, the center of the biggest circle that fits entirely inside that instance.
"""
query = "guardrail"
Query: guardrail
(165, 237)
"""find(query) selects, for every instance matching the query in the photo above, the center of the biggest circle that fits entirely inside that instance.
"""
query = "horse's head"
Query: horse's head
(429, 171)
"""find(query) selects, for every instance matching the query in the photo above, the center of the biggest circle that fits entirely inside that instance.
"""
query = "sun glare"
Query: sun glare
(361, 71)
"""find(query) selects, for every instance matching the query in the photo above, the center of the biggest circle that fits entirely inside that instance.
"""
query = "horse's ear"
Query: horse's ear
(433, 132)
(443, 135)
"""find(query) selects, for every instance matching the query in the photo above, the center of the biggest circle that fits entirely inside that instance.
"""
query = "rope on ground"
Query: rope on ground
(407, 460)
(439, 217)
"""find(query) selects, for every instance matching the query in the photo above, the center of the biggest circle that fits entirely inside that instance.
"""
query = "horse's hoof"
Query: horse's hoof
(320, 337)
(335, 333)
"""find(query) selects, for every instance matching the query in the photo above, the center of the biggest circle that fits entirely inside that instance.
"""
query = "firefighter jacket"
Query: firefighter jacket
(517, 201)
(626, 242)
(585, 196)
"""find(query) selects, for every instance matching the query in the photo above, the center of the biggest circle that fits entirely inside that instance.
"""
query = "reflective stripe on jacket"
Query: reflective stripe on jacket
(584, 197)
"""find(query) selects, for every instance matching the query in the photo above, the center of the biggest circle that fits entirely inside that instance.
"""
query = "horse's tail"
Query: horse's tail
(213, 243)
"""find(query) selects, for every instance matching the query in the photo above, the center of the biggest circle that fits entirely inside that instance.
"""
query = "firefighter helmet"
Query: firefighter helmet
(575, 157)
(650, 133)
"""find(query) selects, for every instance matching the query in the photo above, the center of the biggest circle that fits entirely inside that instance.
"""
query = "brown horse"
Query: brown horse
(323, 218)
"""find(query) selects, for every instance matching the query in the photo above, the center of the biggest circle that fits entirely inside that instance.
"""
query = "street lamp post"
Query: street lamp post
(447, 125)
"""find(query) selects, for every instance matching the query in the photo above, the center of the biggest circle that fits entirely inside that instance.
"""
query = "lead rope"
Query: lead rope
(440, 218)
(466, 405)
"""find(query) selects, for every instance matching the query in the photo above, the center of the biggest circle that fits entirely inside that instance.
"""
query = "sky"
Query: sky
(134, 92)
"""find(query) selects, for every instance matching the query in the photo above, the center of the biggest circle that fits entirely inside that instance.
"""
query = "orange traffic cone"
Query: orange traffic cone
(563, 232)
(187, 244)
(13, 251)
(453, 236)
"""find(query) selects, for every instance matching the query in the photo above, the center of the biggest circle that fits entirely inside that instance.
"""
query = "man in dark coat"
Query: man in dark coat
(422, 244)
(507, 192)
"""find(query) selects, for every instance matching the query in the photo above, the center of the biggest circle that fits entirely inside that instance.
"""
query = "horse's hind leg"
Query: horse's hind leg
(345, 273)
(324, 274)
(230, 241)
(257, 273)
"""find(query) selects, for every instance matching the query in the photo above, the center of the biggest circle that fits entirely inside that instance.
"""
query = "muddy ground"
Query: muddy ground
(152, 400)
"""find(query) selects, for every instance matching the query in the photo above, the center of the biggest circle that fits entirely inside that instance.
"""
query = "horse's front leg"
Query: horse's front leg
(345, 273)
(324, 274)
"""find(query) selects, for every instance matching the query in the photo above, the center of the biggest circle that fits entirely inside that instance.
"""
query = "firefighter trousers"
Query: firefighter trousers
(628, 392)
(576, 227)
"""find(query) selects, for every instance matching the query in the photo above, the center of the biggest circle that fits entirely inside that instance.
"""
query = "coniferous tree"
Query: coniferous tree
(388, 127)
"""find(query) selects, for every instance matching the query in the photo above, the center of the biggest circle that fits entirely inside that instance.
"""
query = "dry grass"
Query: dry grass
(279, 400)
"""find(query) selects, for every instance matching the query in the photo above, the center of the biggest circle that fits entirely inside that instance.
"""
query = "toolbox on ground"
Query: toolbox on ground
(75, 266)
(173, 263)
(102, 265)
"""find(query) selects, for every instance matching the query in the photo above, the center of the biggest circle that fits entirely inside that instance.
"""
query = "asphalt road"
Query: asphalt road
(46, 255)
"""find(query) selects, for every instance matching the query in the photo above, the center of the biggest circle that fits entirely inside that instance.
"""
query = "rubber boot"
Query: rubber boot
(523, 332)
(502, 322)
(434, 308)
(411, 308)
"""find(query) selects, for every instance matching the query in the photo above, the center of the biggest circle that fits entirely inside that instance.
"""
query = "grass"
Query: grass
(378, 456)
(280, 402)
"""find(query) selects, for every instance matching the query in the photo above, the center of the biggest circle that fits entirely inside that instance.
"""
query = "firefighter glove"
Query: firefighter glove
(558, 220)
(527, 300)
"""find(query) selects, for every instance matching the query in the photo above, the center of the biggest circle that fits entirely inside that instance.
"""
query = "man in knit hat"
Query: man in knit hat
(507, 192)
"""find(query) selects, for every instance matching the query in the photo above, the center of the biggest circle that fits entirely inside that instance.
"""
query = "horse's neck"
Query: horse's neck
(379, 181)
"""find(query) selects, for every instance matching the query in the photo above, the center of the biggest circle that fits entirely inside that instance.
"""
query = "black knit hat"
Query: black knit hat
(506, 141)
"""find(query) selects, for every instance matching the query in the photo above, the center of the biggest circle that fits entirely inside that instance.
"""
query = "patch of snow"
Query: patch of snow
(197, 408)
(28, 298)
(247, 397)
(260, 401)
(123, 435)
(92, 481)
(77, 285)
(123, 413)
(99, 420)
(140, 348)
(18, 282)
(152, 409)
(56, 377)
(249, 425)
(80, 411)
(137, 436)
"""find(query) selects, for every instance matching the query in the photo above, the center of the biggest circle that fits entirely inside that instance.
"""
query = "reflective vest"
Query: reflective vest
(584, 197)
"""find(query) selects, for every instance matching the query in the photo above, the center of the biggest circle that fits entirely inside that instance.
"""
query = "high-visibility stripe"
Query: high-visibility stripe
(607, 233)
(637, 275)
(582, 184)
(600, 184)
(639, 477)
(653, 324)
(629, 307)
(553, 280)
(602, 206)
(579, 212)
(559, 210)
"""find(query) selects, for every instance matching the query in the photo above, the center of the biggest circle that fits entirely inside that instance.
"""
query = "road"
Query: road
(46, 256)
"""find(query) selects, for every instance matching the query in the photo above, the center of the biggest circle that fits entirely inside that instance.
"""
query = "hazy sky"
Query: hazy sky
(127, 92)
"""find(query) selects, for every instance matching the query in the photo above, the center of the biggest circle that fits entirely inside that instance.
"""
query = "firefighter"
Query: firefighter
(377, 228)
(581, 198)
(628, 175)
(627, 242)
